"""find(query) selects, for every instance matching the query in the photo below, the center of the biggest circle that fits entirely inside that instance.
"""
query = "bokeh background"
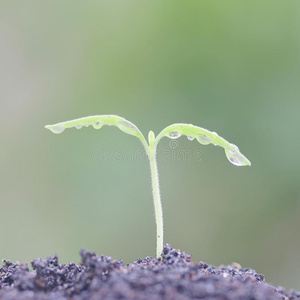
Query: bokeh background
(230, 66)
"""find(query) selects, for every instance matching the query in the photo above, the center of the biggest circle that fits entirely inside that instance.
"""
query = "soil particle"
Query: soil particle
(173, 276)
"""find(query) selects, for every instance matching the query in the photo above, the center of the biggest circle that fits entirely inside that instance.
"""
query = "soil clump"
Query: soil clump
(174, 276)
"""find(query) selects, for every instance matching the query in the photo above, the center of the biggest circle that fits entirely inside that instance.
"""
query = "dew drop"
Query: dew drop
(78, 126)
(190, 138)
(203, 139)
(236, 158)
(57, 129)
(98, 125)
(234, 151)
(128, 127)
(234, 161)
(174, 134)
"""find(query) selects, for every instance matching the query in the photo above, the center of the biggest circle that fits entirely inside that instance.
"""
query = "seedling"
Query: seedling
(174, 131)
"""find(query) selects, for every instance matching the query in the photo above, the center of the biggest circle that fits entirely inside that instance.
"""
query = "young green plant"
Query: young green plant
(174, 131)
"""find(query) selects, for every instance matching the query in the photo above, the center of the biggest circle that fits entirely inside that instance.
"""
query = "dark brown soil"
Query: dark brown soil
(100, 277)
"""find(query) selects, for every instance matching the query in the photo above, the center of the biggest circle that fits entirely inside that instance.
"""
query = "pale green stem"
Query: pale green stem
(151, 151)
(157, 202)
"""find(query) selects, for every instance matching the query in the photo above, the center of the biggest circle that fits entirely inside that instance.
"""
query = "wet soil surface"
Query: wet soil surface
(100, 277)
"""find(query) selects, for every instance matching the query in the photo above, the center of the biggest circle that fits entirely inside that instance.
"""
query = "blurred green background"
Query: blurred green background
(230, 66)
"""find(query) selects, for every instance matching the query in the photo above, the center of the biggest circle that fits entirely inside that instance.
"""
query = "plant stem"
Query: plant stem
(156, 200)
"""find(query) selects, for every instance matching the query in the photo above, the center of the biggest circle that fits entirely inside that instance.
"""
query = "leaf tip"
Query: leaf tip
(55, 128)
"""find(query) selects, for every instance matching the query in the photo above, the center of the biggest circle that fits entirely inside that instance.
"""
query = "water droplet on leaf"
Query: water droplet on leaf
(78, 126)
(57, 129)
(189, 137)
(174, 134)
(235, 157)
(203, 139)
(128, 127)
(98, 125)
(233, 151)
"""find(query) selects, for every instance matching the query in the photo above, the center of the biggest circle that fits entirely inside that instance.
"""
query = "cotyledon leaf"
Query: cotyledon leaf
(174, 131)
(205, 137)
(98, 122)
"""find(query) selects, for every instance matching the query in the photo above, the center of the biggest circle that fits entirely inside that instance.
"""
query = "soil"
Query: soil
(173, 276)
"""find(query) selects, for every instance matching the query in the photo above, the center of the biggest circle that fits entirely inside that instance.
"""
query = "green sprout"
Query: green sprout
(174, 131)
